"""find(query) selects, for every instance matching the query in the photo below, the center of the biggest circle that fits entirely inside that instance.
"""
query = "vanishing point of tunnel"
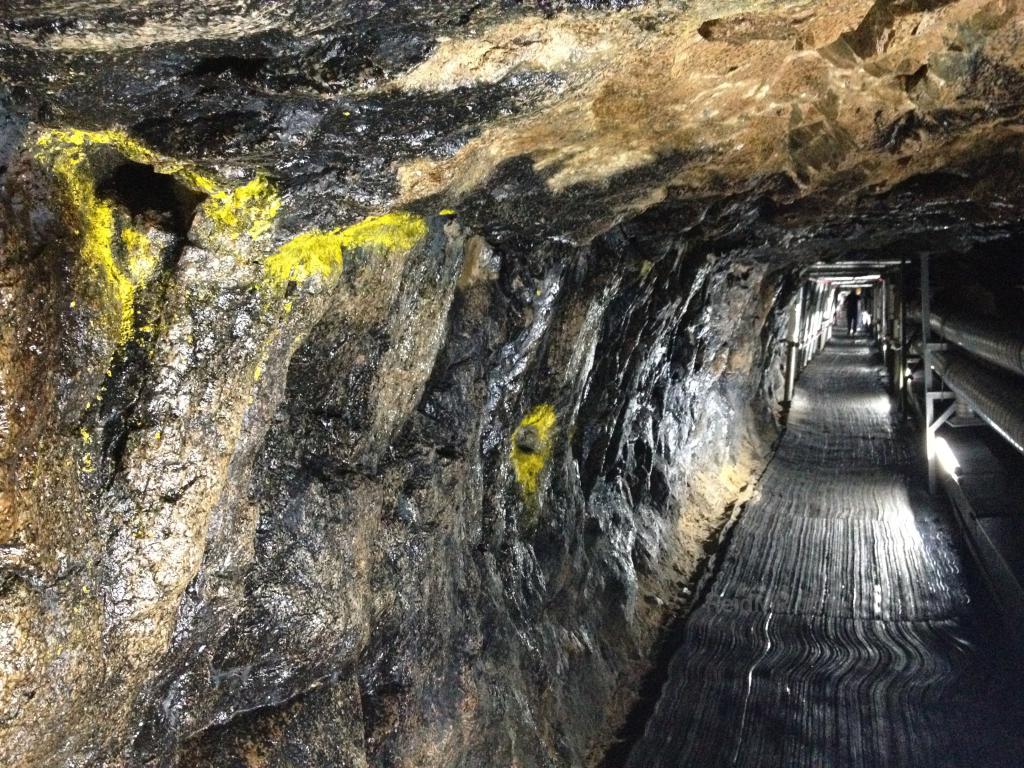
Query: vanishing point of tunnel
(511, 383)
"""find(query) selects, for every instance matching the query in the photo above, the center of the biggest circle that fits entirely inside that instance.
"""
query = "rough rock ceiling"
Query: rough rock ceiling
(497, 109)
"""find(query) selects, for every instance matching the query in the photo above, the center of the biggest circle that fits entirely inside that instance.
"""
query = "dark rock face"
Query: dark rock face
(328, 496)
(374, 377)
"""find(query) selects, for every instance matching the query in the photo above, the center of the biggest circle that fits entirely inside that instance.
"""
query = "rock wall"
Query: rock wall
(441, 495)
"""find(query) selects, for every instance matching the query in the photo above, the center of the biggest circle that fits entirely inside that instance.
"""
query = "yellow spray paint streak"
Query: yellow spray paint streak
(64, 138)
(322, 253)
(305, 255)
(250, 208)
(531, 447)
(140, 259)
(94, 221)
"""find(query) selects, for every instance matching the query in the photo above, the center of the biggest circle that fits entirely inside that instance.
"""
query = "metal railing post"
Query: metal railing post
(929, 406)
(794, 343)
(901, 363)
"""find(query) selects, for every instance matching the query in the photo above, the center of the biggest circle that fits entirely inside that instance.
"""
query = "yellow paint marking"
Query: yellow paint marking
(124, 260)
(531, 447)
(250, 208)
(322, 253)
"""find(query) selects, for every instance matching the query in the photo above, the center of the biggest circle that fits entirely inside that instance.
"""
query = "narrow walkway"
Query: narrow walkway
(839, 630)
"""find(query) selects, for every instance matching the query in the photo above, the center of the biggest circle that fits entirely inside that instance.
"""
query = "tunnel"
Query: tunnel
(534, 383)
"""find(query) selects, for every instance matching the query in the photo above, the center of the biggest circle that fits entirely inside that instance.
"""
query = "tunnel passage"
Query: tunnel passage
(865, 610)
(839, 628)
(414, 445)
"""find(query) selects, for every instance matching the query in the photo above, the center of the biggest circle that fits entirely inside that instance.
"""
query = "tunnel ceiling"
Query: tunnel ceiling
(796, 122)
(377, 378)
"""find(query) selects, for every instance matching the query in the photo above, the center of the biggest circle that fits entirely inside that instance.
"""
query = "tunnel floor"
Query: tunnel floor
(841, 626)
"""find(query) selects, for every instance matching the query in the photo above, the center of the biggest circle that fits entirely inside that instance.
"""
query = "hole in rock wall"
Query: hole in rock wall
(157, 198)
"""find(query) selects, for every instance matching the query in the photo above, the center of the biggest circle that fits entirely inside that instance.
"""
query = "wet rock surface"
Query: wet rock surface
(399, 487)
(375, 376)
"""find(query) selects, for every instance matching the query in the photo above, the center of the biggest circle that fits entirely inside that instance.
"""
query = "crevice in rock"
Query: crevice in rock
(157, 199)
(241, 67)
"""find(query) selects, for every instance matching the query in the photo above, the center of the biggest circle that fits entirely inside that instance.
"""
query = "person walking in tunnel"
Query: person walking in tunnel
(852, 311)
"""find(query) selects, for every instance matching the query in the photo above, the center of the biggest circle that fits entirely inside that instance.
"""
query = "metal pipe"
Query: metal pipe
(995, 397)
(988, 340)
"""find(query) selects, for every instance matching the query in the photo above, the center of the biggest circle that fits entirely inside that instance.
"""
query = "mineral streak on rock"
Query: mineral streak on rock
(269, 496)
